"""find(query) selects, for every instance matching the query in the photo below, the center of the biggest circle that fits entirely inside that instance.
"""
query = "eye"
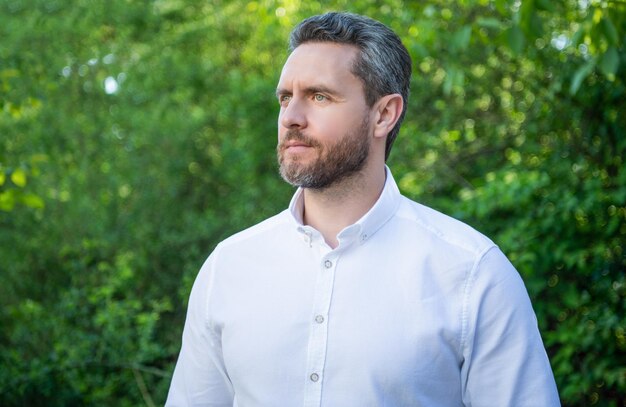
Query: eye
(320, 98)
(284, 99)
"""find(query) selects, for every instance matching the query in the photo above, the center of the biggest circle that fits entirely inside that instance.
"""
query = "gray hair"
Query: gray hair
(383, 63)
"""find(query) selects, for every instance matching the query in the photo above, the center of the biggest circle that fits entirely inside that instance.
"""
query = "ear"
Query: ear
(388, 111)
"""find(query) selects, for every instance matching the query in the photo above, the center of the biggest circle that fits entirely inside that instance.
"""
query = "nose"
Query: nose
(293, 115)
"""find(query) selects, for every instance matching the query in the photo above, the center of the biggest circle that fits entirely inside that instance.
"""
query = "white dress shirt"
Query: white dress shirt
(413, 308)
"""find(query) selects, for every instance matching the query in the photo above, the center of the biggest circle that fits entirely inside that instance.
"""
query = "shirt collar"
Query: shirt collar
(363, 229)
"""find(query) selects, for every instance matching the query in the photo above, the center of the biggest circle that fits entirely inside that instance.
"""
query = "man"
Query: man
(355, 295)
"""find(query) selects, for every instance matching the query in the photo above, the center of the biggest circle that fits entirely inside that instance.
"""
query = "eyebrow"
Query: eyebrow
(310, 91)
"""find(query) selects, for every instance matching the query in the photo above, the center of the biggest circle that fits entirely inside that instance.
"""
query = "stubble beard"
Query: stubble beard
(334, 163)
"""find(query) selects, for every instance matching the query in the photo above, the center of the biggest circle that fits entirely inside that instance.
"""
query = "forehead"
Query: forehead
(325, 62)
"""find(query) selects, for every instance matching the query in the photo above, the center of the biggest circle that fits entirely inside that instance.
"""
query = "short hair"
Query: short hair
(383, 63)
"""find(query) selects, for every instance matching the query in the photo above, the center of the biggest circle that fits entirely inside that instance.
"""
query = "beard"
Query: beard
(334, 162)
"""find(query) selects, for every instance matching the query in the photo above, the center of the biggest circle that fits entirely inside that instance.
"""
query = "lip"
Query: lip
(295, 143)
(295, 146)
(297, 149)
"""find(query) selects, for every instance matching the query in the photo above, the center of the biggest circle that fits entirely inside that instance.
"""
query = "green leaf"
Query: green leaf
(578, 36)
(19, 177)
(580, 75)
(7, 200)
(3, 178)
(33, 201)
(609, 62)
(526, 13)
(609, 31)
(502, 6)
(489, 23)
(454, 80)
(547, 5)
(536, 25)
(515, 38)
(461, 38)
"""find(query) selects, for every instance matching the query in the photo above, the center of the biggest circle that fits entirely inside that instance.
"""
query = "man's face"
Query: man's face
(323, 125)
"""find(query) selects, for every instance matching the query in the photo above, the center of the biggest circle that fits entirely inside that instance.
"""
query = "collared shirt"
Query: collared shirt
(412, 308)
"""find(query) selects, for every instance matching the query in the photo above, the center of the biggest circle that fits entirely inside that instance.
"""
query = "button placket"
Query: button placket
(318, 334)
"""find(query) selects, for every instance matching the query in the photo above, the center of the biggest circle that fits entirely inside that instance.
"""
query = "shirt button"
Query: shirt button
(328, 264)
(314, 377)
(319, 319)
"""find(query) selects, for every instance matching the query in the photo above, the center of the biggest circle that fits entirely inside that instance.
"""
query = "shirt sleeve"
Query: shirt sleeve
(200, 377)
(504, 360)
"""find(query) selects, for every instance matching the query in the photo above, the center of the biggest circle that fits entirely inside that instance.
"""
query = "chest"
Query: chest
(360, 319)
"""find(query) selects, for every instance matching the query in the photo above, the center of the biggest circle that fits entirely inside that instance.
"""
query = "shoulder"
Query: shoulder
(443, 229)
(259, 238)
(260, 232)
(461, 247)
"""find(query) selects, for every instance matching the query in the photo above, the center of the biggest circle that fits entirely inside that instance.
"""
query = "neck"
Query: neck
(338, 206)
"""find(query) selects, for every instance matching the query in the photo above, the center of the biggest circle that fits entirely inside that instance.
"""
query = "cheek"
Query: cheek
(341, 129)
(329, 124)
(281, 132)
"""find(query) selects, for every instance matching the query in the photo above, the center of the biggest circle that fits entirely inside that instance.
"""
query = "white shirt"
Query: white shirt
(413, 308)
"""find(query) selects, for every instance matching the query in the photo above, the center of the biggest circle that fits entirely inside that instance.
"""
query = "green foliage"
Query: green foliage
(12, 186)
(136, 135)
(98, 351)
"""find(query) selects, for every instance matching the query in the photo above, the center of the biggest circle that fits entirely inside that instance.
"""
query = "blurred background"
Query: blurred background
(135, 135)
